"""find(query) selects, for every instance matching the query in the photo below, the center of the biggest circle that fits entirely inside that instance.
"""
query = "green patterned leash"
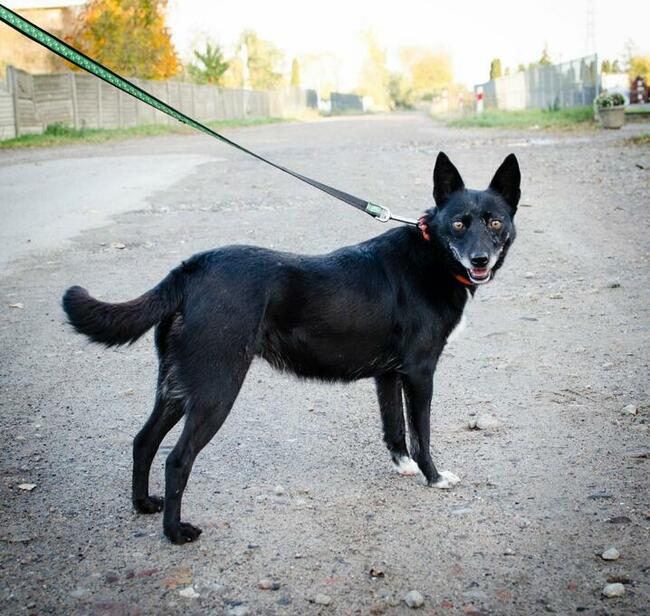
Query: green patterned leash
(51, 42)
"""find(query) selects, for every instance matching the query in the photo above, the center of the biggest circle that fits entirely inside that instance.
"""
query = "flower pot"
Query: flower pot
(612, 117)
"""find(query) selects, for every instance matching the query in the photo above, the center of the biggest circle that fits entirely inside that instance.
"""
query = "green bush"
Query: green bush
(606, 101)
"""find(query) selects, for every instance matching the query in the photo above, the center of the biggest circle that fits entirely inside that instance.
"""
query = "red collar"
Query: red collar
(463, 280)
(422, 225)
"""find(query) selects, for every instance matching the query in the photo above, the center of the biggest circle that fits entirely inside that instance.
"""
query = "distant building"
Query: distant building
(56, 16)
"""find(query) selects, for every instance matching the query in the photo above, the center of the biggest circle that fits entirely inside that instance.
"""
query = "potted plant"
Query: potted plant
(611, 110)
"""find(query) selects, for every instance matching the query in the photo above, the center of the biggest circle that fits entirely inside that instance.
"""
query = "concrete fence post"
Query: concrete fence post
(12, 82)
(136, 109)
(100, 106)
(75, 102)
(119, 108)
(168, 101)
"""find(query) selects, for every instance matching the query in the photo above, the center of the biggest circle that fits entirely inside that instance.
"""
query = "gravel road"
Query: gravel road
(297, 488)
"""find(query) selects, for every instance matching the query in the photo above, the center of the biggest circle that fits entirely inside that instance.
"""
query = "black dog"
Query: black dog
(382, 309)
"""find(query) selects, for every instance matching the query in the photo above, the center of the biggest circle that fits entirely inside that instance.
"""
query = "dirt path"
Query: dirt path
(554, 349)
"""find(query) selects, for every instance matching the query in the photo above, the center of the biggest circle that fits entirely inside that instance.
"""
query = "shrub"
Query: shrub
(605, 101)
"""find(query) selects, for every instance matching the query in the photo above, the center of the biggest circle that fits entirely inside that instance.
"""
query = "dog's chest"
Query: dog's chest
(459, 328)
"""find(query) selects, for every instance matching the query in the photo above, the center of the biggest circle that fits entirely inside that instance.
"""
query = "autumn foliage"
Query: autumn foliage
(128, 36)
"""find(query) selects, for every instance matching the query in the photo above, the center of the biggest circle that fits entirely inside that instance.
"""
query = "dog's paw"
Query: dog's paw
(150, 504)
(183, 533)
(407, 467)
(445, 481)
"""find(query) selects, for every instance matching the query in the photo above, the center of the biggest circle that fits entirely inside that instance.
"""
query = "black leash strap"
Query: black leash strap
(59, 47)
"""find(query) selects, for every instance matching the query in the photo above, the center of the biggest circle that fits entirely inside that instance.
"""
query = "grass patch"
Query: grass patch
(529, 118)
(59, 134)
(642, 139)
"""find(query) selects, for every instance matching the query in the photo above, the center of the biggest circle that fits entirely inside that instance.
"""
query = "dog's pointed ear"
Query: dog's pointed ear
(446, 179)
(506, 181)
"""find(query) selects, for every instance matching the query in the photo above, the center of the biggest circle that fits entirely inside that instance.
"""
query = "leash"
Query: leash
(69, 53)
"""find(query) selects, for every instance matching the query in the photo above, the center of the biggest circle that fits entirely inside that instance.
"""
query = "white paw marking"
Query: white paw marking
(458, 330)
(407, 467)
(447, 480)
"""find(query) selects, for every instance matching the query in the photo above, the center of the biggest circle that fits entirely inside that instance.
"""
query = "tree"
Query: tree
(616, 67)
(521, 68)
(430, 70)
(545, 60)
(263, 61)
(399, 92)
(375, 78)
(495, 68)
(295, 73)
(639, 66)
(128, 36)
(606, 66)
(209, 65)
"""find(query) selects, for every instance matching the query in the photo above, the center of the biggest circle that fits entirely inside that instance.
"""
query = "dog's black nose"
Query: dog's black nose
(479, 260)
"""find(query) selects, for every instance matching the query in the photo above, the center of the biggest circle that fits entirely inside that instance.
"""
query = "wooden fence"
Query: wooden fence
(30, 103)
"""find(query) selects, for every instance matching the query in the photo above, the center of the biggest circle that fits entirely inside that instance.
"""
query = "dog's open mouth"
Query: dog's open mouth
(480, 275)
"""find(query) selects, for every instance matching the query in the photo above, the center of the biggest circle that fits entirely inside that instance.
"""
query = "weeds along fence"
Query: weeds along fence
(30, 103)
(556, 86)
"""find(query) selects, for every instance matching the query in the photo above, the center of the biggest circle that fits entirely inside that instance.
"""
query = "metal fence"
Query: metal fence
(30, 103)
(346, 103)
(569, 84)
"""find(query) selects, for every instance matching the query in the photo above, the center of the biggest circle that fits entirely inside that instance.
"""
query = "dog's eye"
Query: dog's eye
(458, 225)
(495, 224)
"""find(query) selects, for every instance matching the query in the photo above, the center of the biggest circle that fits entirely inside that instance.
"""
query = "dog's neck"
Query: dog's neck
(435, 243)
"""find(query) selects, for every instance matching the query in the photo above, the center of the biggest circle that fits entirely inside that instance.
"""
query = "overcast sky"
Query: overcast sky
(472, 31)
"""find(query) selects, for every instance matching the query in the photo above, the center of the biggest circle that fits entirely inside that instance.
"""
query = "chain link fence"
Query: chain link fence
(555, 86)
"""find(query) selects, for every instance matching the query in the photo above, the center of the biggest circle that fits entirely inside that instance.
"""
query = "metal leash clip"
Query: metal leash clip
(383, 214)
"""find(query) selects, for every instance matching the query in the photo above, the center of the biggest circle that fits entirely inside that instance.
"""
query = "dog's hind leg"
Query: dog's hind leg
(389, 393)
(212, 358)
(165, 415)
(205, 415)
(167, 411)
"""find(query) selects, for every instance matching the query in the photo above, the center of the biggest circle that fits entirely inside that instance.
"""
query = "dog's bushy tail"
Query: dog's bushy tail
(114, 324)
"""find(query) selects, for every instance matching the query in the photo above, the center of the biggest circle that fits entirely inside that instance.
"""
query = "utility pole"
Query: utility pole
(590, 34)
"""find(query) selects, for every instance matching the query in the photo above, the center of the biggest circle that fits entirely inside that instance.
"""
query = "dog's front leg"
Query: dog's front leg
(418, 389)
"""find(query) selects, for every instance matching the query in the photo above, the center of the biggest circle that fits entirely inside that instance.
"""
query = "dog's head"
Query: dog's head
(474, 227)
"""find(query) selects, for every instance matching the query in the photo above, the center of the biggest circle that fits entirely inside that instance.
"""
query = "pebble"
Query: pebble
(18, 305)
(322, 599)
(79, 593)
(475, 595)
(629, 409)
(619, 519)
(267, 584)
(613, 590)
(239, 610)
(620, 578)
(485, 421)
(414, 599)
(529, 275)
(610, 554)
(27, 487)
(556, 296)
(189, 593)
(118, 245)
(278, 490)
